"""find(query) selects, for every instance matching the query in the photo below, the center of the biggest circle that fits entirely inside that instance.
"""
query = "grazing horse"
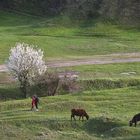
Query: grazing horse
(134, 120)
(79, 112)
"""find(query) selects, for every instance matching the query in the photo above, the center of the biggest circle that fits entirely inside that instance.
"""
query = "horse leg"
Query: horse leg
(71, 117)
(74, 118)
(82, 118)
(135, 123)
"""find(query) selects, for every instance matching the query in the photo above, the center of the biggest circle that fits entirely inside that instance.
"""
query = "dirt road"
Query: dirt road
(100, 59)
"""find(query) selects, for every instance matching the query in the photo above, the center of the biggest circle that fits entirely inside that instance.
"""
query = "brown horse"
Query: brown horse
(79, 112)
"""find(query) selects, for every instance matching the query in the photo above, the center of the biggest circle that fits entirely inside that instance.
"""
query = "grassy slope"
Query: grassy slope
(128, 71)
(109, 110)
(111, 71)
(53, 120)
(58, 35)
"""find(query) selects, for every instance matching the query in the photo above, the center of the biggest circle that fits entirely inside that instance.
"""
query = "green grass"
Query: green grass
(106, 71)
(126, 72)
(109, 111)
(60, 38)
(58, 35)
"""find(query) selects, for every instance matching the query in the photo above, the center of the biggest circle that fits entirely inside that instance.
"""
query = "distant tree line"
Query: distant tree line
(127, 11)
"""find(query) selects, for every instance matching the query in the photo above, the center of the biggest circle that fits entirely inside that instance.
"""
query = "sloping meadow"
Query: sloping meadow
(109, 111)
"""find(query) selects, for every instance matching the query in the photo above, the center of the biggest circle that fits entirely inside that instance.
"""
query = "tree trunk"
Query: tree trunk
(24, 85)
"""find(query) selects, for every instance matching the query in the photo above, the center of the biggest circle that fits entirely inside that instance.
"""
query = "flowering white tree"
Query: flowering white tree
(26, 63)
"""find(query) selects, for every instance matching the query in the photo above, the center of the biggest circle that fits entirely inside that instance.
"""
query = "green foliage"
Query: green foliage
(109, 84)
(126, 11)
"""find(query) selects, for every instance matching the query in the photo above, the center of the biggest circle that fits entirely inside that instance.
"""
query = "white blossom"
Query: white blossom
(26, 62)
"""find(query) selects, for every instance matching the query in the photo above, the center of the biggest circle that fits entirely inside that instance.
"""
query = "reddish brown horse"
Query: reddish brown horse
(79, 112)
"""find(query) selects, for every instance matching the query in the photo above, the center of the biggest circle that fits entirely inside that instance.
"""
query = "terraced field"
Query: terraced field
(109, 111)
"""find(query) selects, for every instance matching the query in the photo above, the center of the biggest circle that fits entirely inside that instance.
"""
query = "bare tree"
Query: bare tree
(48, 83)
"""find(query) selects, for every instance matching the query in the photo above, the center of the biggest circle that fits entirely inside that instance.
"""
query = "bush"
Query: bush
(109, 84)
(68, 84)
(52, 83)
(47, 84)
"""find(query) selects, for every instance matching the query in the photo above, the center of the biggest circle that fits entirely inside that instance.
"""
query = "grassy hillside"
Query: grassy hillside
(61, 38)
(109, 111)
(105, 71)
(125, 73)
(55, 36)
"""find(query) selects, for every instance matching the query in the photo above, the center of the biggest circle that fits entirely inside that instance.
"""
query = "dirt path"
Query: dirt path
(100, 59)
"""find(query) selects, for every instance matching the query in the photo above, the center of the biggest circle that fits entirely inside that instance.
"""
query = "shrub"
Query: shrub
(109, 84)
(47, 84)
(68, 84)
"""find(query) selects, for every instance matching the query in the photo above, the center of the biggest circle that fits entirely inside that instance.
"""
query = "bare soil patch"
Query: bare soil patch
(98, 59)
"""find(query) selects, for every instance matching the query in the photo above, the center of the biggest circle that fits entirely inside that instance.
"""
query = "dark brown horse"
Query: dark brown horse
(79, 112)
